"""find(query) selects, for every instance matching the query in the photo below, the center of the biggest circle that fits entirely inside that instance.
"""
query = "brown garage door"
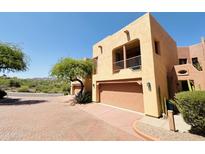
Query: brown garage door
(124, 95)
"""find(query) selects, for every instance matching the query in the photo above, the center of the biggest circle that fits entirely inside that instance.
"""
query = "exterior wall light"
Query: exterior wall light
(149, 86)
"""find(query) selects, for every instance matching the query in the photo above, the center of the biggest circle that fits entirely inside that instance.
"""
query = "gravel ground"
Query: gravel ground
(165, 135)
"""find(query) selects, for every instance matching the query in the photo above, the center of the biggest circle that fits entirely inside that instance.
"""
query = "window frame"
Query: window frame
(181, 60)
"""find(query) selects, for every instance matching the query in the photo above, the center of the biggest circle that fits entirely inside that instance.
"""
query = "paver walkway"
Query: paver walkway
(116, 117)
(50, 118)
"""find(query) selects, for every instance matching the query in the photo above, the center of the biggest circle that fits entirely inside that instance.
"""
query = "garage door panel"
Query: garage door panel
(130, 88)
(128, 95)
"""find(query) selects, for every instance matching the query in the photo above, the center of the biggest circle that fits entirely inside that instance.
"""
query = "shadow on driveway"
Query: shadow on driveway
(14, 101)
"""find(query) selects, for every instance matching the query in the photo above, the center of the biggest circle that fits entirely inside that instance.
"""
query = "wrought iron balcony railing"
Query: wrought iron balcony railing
(133, 63)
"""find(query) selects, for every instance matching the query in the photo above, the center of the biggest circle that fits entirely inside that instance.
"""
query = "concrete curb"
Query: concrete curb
(142, 134)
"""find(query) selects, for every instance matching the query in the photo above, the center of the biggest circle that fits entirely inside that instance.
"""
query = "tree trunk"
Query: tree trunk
(81, 85)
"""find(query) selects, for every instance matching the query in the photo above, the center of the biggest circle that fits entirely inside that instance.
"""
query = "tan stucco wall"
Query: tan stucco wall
(75, 86)
(88, 84)
(153, 71)
(164, 62)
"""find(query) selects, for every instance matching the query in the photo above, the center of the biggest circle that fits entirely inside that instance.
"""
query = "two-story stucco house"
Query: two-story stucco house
(134, 67)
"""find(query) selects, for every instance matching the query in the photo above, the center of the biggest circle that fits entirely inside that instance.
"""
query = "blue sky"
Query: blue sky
(47, 37)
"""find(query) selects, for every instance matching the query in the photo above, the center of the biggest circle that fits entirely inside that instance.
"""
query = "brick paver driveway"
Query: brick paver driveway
(51, 118)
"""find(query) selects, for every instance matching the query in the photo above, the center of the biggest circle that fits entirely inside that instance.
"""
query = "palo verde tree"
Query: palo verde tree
(69, 69)
(12, 58)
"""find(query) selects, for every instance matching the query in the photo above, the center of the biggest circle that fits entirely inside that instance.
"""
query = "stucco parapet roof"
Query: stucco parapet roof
(122, 29)
(193, 45)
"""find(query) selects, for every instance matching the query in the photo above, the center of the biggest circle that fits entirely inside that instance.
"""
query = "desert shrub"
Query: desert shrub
(4, 83)
(34, 85)
(2, 94)
(85, 97)
(65, 88)
(198, 66)
(42, 88)
(44, 91)
(65, 93)
(31, 85)
(192, 107)
(14, 83)
(54, 90)
(23, 89)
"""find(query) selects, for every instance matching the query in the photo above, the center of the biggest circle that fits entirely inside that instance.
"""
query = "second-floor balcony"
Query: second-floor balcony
(127, 56)
(133, 63)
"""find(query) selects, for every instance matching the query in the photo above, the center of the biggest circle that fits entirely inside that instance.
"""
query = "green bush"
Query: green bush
(4, 83)
(14, 83)
(31, 85)
(65, 88)
(45, 91)
(54, 90)
(42, 88)
(23, 89)
(197, 66)
(65, 93)
(86, 97)
(34, 85)
(2, 94)
(192, 107)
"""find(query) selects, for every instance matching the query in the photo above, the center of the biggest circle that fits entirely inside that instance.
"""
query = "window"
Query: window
(118, 53)
(127, 56)
(118, 59)
(196, 64)
(133, 53)
(101, 49)
(157, 47)
(182, 61)
(118, 56)
(95, 65)
(195, 61)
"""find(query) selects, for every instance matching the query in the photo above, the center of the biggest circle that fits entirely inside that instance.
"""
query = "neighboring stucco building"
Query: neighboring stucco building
(75, 86)
(135, 67)
(191, 66)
